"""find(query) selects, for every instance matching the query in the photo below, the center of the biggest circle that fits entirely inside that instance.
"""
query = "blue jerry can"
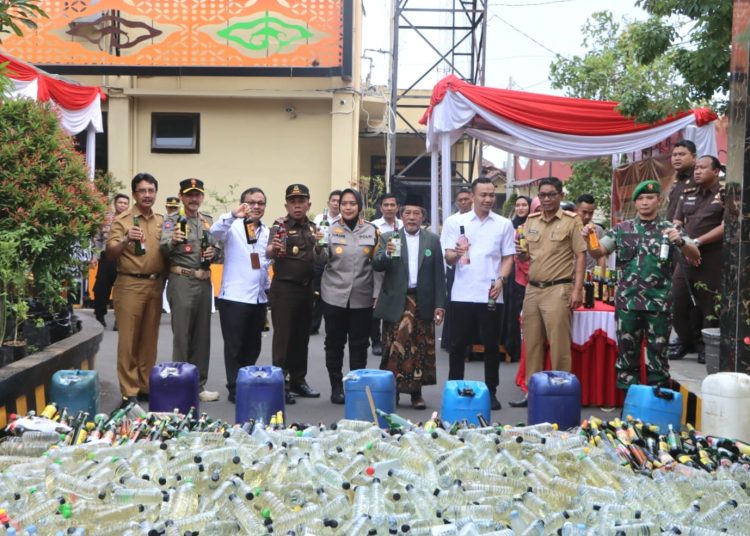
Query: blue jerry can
(654, 405)
(382, 384)
(465, 400)
(174, 385)
(555, 397)
(76, 390)
(260, 394)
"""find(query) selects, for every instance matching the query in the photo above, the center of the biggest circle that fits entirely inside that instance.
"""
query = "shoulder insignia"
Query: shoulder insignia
(536, 215)
(570, 213)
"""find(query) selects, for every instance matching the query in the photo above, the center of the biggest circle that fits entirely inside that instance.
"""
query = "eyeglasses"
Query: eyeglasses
(143, 191)
(550, 195)
(257, 203)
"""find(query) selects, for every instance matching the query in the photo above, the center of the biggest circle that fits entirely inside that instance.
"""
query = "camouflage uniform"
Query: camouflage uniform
(643, 299)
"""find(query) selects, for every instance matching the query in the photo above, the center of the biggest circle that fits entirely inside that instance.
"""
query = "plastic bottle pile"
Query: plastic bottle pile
(177, 476)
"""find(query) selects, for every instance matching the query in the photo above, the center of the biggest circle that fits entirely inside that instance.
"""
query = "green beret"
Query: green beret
(646, 187)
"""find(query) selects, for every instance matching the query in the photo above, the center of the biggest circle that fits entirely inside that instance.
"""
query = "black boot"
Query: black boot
(337, 393)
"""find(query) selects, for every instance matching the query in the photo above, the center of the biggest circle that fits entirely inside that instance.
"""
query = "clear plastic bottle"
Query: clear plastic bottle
(137, 495)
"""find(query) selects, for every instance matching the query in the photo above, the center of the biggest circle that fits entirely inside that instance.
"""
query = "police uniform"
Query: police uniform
(189, 290)
(546, 313)
(346, 290)
(291, 297)
(137, 300)
(700, 211)
(643, 297)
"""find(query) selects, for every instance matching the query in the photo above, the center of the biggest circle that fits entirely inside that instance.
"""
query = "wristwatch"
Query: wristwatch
(697, 242)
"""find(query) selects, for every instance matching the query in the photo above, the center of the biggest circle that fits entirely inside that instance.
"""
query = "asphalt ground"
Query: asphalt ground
(321, 410)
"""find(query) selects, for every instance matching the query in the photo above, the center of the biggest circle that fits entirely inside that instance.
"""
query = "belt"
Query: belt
(411, 291)
(141, 276)
(201, 275)
(545, 284)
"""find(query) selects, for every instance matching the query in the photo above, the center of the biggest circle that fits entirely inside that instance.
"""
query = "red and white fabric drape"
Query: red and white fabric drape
(79, 107)
(545, 127)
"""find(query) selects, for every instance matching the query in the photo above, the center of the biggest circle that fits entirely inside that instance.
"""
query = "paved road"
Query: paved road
(305, 410)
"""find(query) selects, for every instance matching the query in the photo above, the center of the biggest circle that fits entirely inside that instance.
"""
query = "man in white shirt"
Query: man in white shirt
(389, 206)
(334, 215)
(463, 205)
(474, 299)
(244, 283)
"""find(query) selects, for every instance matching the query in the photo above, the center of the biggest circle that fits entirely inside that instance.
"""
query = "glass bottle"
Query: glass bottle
(250, 235)
(139, 248)
(205, 244)
(395, 239)
(282, 235)
(664, 248)
(588, 292)
(463, 241)
(325, 227)
(522, 244)
(491, 302)
(182, 224)
(593, 238)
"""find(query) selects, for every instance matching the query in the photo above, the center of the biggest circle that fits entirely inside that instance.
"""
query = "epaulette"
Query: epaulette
(536, 215)
(206, 215)
(570, 213)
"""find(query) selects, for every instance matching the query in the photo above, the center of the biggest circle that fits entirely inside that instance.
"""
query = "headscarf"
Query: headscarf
(535, 205)
(360, 204)
(518, 220)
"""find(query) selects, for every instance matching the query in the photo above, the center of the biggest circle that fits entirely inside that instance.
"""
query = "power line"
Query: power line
(527, 36)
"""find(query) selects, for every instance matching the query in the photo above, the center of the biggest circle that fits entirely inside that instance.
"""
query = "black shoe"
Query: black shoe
(702, 357)
(290, 399)
(303, 390)
(495, 403)
(232, 398)
(523, 403)
(101, 320)
(337, 394)
(377, 348)
(142, 397)
(676, 352)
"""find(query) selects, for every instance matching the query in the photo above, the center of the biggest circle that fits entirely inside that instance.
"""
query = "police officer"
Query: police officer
(701, 212)
(134, 242)
(346, 290)
(187, 242)
(555, 284)
(644, 285)
(291, 294)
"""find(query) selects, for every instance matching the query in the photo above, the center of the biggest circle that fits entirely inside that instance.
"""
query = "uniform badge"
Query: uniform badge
(188, 248)
(339, 250)
(168, 224)
(295, 250)
(367, 250)
(428, 253)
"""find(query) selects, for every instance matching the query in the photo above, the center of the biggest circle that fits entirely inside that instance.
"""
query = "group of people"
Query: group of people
(391, 281)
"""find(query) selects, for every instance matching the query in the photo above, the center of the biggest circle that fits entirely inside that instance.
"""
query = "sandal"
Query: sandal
(417, 402)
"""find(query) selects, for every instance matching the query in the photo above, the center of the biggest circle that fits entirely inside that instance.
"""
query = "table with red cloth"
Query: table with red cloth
(594, 352)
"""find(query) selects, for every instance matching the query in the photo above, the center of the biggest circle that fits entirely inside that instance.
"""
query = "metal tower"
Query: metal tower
(453, 35)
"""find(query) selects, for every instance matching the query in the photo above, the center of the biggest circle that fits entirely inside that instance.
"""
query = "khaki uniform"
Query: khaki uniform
(189, 293)
(137, 300)
(546, 315)
(682, 184)
(291, 298)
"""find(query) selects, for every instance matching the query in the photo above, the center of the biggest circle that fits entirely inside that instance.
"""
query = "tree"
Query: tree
(675, 59)
(592, 177)
(17, 13)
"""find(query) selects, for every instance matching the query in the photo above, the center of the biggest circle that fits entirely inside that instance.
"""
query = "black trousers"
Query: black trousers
(688, 320)
(242, 330)
(343, 323)
(465, 317)
(511, 311)
(105, 280)
(445, 338)
(291, 314)
(375, 330)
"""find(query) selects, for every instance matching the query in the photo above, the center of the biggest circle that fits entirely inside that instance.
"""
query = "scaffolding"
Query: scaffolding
(453, 33)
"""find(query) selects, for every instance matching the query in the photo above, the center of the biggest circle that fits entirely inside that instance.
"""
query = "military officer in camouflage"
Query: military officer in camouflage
(189, 246)
(646, 248)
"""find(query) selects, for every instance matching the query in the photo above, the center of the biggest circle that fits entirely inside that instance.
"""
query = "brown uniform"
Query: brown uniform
(546, 313)
(682, 183)
(137, 300)
(291, 299)
(700, 211)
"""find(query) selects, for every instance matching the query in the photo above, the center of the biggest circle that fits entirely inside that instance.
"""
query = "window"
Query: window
(175, 133)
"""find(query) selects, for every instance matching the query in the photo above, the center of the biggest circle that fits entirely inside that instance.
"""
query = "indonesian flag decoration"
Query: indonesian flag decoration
(78, 106)
(548, 127)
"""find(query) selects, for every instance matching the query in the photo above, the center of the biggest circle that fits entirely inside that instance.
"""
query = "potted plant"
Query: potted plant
(13, 305)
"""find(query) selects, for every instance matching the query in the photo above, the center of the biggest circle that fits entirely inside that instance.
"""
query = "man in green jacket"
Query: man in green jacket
(411, 302)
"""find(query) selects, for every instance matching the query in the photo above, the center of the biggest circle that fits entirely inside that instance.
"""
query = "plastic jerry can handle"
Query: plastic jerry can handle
(466, 391)
(666, 395)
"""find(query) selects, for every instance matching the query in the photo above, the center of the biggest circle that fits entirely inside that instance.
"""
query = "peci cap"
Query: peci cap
(172, 202)
(191, 185)
(297, 190)
(646, 187)
(414, 201)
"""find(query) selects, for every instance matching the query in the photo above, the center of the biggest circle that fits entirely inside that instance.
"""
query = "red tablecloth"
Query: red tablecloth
(593, 362)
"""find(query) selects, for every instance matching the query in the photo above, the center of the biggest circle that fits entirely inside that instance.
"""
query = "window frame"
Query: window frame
(195, 149)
